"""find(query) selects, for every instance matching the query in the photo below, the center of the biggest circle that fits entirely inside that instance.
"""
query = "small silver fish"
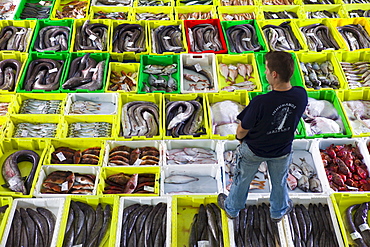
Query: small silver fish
(180, 179)
(303, 183)
(306, 168)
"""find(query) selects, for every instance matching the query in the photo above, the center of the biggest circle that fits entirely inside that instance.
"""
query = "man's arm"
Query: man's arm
(240, 132)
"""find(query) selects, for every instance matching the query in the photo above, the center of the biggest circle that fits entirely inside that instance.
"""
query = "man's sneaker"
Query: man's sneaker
(221, 203)
(277, 220)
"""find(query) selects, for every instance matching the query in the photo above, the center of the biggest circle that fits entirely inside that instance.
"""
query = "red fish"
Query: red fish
(131, 184)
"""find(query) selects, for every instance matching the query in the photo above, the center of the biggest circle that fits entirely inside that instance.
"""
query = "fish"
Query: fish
(42, 130)
(315, 184)
(238, 16)
(292, 181)
(319, 37)
(303, 183)
(9, 73)
(204, 37)
(11, 172)
(167, 39)
(131, 184)
(180, 179)
(129, 38)
(306, 168)
(242, 38)
(280, 15)
(220, 117)
(355, 34)
(52, 38)
(281, 38)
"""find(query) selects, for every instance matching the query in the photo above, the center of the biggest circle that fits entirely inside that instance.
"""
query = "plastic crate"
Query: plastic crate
(312, 57)
(295, 80)
(10, 146)
(81, 145)
(21, 57)
(22, 97)
(205, 62)
(21, 7)
(46, 170)
(98, 57)
(200, 9)
(227, 13)
(234, 60)
(134, 144)
(238, 97)
(45, 23)
(186, 97)
(55, 205)
(26, 24)
(108, 103)
(126, 68)
(110, 9)
(156, 98)
(121, 57)
(181, 3)
(228, 24)
(152, 25)
(8, 98)
(297, 9)
(108, 171)
(125, 202)
(188, 24)
(38, 55)
(68, 120)
(153, 10)
(9, 15)
(99, 4)
(59, 4)
(331, 8)
(109, 239)
(183, 210)
(350, 7)
(170, 3)
(5, 200)
(158, 60)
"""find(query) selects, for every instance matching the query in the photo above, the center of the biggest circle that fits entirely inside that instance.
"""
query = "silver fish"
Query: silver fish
(315, 184)
(180, 179)
(303, 183)
(306, 168)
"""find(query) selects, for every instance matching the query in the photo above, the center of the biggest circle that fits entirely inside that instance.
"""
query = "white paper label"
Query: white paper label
(351, 39)
(137, 162)
(198, 67)
(79, 245)
(208, 44)
(21, 32)
(61, 156)
(229, 17)
(160, 81)
(65, 186)
(310, 34)
(355, 235)
(80, 16)
(92, 70)
(246, 39)
(52, 39)
(130, 43)
(112, 1)
(330, 49)
(24, 133)
(53, 70)
(149, 188)
(314, 1)
(353, 15)
(203, 243)
(77, 126)
(71, 6)
(232, 67)
(275, 16)
(297, 174)
(42, 3)
(12, 182)
(363, 227)
(92, 37)
(281, 38)
(166, 37)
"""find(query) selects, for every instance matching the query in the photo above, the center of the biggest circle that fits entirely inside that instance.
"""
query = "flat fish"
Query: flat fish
(180, 179)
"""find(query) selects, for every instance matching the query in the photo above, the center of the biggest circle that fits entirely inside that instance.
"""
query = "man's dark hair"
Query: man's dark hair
(282, 63)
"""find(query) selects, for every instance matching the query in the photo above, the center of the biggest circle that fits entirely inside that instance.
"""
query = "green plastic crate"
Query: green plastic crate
(22, 5)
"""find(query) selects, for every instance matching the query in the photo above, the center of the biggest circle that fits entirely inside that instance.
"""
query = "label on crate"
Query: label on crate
(24, 133)
(310, 34)
(137, 162)
(80, 16)
(149, 188)
(275, 16)
(166, 37)
(160, 81)
(353, 15)
(12, 182)
(71, 6)
(203, 243)
(352, 39)
(21, 32)
(112, 1)
(65, 186)
(297, 174)
(363, 227)
(229, 17)
(130, 43)
(198, 67)
(246, 39)
(208, 44)
(92, 70)
(42, 3)
(52, 39)
(330, 49)
(355, 235)
(61, 156)
(232, 67)
(79, 245)
(92, 37)
(53, 70)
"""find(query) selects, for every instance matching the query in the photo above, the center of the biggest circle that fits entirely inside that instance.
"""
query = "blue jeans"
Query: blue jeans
(246, 167)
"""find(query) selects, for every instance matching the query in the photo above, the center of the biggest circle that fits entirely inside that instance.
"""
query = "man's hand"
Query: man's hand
(240, 132)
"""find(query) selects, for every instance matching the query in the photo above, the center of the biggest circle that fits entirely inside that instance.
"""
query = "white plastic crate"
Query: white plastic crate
(108, 102)
(55, 205)
(206, 62)
(46, 170)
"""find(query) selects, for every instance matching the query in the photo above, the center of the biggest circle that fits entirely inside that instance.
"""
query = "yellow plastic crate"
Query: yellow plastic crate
(294, 27)
(359, 94)
(108, 171)
(332, 30)
(349, 7)
(21, 97)
(226, 13)
(186, 97)
(26, 24)
(226, 3)
(34, 119)
(155, 24)
(278, 8)
(112, 119)
(240, 97)
(356, 21)
(321, 7)
(4, 122)
(5, 200)
(8, 98)
(111, 9)
(129, 55)
(81, 145)
(79, 23)
(9, 146)
(311, 57)
(183, 210)
(341, 201)
(199, 9)
(170, 3)
(127, 68)
(283, 6)
(248, 58)
(21, 57)
(109, 239)
(153, 10)
(59, 4)
(151, 97)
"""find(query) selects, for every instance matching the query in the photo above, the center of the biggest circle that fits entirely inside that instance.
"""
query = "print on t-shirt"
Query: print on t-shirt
(280, 116)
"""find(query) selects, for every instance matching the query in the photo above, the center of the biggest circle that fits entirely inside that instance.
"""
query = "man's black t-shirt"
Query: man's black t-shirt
(272, 119)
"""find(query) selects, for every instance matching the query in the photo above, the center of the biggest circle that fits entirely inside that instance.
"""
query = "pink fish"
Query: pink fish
(131, 184)
(292, 181)
(224, 70)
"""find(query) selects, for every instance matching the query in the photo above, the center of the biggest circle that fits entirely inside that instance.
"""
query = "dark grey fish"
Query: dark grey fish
(107, 216)
(94, 235)
(42, 226)
(29, 226)
(50, 219)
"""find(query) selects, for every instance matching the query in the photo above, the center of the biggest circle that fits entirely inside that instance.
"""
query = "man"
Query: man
(266, 133)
